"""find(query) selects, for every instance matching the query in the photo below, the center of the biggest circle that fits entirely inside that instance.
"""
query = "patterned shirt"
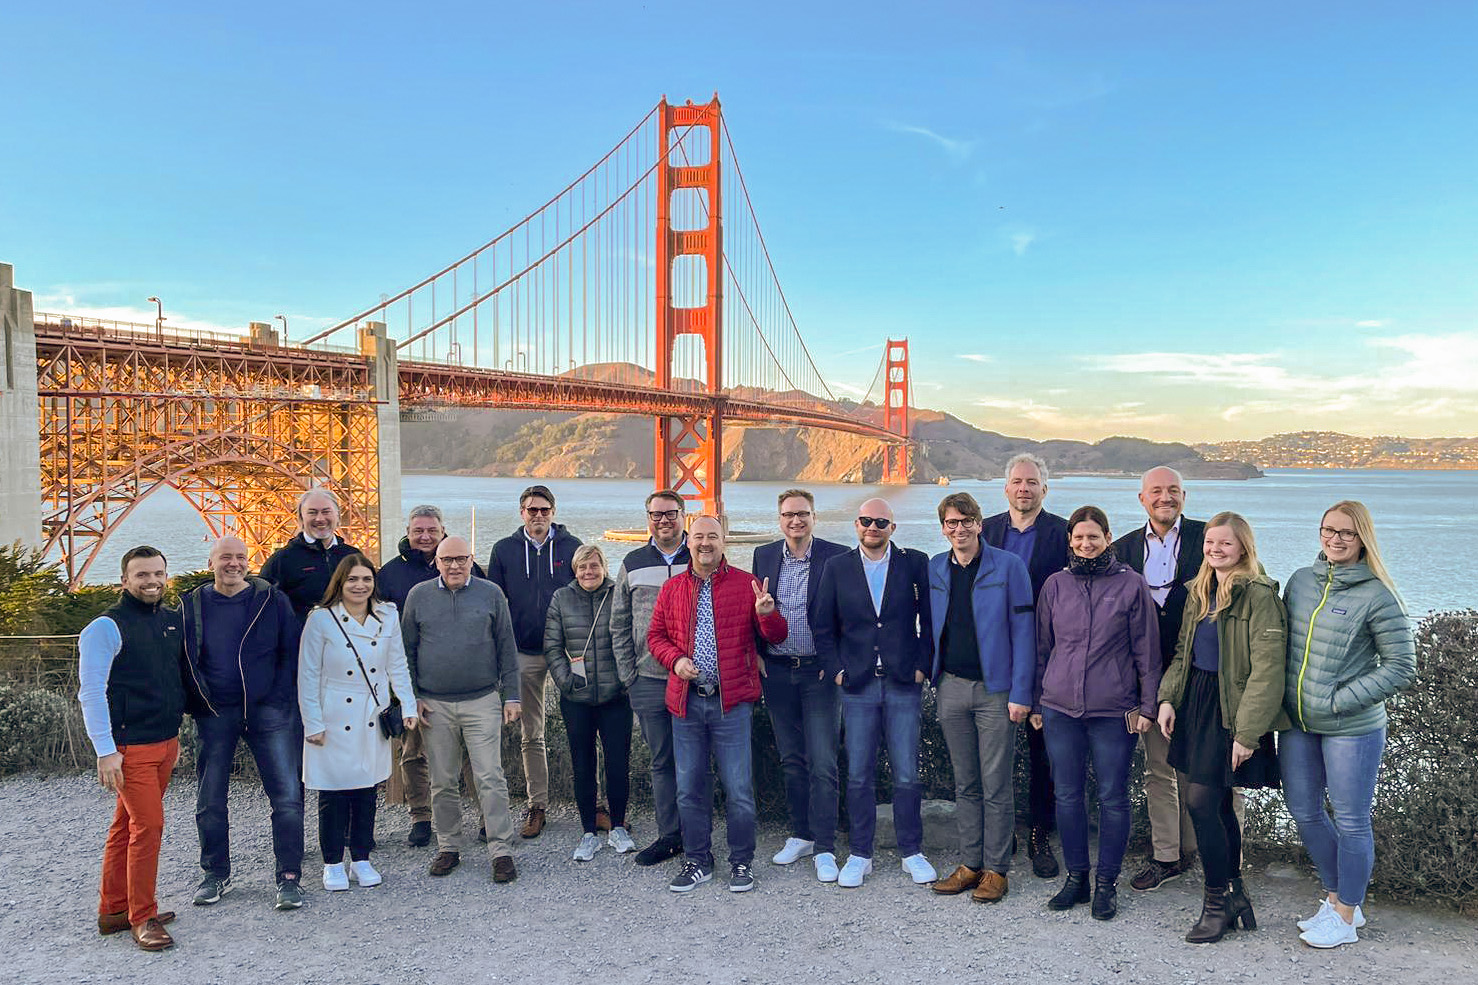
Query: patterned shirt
(790, 599)
(705, 644)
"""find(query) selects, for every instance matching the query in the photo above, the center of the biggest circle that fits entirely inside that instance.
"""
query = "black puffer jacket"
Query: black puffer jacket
(579, 624)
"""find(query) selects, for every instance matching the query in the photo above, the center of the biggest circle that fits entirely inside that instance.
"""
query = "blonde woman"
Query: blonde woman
(1219, 700)
(1350, 648)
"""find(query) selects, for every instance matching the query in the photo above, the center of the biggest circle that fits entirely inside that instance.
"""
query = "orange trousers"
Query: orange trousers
(131, 855)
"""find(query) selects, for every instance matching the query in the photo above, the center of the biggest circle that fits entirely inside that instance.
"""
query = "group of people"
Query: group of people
(1172, 635)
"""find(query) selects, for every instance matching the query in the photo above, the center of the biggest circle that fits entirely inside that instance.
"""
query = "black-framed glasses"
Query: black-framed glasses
(881, 522)
(658, 515)
(956, 522)
(1329, 533)
(538, 510)
(796, 515)
(455, 560)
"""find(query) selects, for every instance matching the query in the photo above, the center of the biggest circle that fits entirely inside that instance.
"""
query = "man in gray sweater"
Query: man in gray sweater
(462, 655)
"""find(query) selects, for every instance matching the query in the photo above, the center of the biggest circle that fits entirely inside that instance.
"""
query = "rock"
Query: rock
(940, 831)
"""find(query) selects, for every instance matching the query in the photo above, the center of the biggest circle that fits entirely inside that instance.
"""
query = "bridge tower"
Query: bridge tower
(689, 453)
(20, 446)
(895, 410)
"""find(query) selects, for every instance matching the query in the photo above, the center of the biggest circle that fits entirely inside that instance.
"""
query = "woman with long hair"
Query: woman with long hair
(350, 665)
(1350, 647)
(1098, 673)
(1219, 700)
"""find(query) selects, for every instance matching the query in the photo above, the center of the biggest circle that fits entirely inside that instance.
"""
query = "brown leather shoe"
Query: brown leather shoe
(533, 822)
(991, 888)
(444, 863)
(151, 935)
(116, 923)
(958, 881)
(602, 818)
(503, 869)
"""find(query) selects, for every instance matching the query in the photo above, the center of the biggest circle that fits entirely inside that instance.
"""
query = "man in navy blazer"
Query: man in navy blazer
(804, 703)
(1039, 538)
(872, 631)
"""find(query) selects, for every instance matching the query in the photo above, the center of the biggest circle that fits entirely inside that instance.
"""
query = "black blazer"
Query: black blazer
(850, 636)
(1130, 549)
(1049, 554)
(766, 564)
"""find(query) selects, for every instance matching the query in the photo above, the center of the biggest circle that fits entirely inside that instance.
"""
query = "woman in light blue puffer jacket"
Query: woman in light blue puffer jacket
(1350, 648)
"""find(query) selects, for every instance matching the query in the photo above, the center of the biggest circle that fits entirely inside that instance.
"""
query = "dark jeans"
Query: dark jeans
(275, 737)
(805, 714)
(1042, 804)
(612, 723)
(1343, 768)
(1070, 743)
(707, 730)
(346, 816)
(883, 711)
(649, 702)
(1218, 836)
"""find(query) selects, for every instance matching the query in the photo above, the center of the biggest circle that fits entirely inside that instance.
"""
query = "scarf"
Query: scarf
(1090, 566)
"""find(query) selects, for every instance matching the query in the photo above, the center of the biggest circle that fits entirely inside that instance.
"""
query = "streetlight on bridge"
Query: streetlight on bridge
(283, 319)
(158, 318)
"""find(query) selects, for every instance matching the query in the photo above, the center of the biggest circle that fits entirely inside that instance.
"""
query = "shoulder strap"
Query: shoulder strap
(343, 632)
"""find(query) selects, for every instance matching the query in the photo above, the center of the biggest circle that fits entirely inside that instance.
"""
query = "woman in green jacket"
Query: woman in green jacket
(1220, 699)
(1350, 648)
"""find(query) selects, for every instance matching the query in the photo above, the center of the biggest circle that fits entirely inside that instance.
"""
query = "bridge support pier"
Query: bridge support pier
(376, 346)
(20, 444)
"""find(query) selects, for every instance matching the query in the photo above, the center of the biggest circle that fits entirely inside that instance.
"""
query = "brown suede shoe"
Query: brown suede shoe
(444, 863)
(602, 818)
(960, 880)
(503, 869)
(116, 923)
(991, 888)
(151, 935)
(533, 822)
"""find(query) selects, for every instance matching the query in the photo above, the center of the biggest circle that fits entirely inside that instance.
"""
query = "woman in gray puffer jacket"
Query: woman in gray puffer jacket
(592, 684)
(1350, 648)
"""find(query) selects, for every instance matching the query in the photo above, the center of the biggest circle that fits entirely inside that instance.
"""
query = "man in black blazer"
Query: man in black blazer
(804, 704)
(875, 637)
(1167, 552)
(1039, 538)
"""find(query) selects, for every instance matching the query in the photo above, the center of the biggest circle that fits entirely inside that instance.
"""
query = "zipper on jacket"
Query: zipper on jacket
(191, 664)
(1309, 642)
(241, 656)
(1088, 646)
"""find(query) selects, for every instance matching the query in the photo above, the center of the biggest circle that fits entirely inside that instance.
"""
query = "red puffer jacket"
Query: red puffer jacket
(735, 623)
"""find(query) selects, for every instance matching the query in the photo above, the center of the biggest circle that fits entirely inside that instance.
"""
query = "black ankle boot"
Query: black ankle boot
(1216, 918)
(1105, 898)
(1073, 892)
(1239, 906)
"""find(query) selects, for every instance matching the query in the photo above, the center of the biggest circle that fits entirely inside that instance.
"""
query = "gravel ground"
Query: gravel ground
(609, 921)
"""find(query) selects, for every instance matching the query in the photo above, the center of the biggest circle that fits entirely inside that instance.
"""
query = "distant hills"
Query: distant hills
(1332, 450)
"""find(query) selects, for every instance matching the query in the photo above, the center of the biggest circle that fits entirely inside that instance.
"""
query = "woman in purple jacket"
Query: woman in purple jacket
(1098, 675)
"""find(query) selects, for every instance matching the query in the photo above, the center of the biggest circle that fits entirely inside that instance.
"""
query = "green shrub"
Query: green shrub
(40, 730)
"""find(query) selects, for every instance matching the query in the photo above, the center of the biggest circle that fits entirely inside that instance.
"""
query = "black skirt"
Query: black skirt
(1201, 746)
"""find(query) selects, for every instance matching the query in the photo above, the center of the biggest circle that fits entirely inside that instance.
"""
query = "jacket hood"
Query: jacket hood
(1345, 575)
(408, 552)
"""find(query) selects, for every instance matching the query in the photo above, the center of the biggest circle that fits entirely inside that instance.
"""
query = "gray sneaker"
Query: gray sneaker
(289, 895)
(212, 888)
(589, 845)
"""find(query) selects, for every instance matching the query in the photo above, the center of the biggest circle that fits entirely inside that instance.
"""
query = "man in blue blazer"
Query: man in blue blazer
(1039, 539)
(872, 634)
(804, 703)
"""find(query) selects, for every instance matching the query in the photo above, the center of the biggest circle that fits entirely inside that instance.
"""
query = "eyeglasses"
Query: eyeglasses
(796, 515)
(454, 560)
(881, 522)
(538, 510)
(657, 516)
(1329, 533)
(956, 522)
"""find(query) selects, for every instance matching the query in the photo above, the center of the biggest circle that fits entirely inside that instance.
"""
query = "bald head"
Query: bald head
(1162, 494)
(706, 542)
(874, 525)
(454, 562)
(229, 563)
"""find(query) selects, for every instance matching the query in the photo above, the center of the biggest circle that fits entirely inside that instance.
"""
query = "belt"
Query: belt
(796, 663)
(707, 690)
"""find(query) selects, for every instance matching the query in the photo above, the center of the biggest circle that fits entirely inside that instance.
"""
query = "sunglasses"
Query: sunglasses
(881, 522)
(538, 510)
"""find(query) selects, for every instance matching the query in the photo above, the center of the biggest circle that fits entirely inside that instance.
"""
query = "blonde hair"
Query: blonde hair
(585, 552)
(1364, 523)
(1201, 603)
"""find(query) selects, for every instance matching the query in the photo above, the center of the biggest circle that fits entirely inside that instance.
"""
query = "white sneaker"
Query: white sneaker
(335, 879)
(1332, 931)
(919, 869)
(795, 848)
(854, 872)
(1325, 909)
(826, 867)
(620, 840)
(589, 845)
(364, 874)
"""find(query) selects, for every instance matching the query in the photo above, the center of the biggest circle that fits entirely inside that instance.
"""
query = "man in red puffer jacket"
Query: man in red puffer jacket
(703, 630)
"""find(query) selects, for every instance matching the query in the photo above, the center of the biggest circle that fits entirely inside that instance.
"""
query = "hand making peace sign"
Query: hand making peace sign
(764, 602)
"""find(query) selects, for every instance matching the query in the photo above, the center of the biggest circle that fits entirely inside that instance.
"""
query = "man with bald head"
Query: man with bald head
(302, 567)
(1167, 552)
(874, 636)
(241, 644)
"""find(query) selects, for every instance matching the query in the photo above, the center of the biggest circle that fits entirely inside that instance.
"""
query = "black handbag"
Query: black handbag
(392, 719)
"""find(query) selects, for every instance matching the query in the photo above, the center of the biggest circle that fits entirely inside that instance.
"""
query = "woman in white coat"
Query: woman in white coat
(350, 663)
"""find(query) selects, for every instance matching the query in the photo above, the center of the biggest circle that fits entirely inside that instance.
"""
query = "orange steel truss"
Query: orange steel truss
(895, 410)
(689, 448)
(239, 430)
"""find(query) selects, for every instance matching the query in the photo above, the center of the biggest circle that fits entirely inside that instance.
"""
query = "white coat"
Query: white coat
(335, 700)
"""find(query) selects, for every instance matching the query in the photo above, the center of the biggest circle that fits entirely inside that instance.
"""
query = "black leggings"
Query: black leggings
(612, 723)
(346, 816)
(1217, 835)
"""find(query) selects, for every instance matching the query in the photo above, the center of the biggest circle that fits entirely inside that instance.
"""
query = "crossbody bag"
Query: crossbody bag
(392, 719)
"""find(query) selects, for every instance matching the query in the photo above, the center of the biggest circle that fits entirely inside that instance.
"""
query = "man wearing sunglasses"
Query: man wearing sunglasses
(530, 565)
(873, 635)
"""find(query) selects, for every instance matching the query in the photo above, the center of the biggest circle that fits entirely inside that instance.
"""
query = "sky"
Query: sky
(1177, 220)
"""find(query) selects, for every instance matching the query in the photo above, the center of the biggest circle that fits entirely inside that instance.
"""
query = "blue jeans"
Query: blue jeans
(883, 710)
(804, 712)
(1344, 767)
(1070, 744)
(706, 730)
(275, 737)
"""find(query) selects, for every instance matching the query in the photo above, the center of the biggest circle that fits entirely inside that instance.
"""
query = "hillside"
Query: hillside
(1332, 450)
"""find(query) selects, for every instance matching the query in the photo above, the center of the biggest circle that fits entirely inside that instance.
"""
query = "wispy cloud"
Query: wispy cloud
(976, 357)
(958, 150)
(1022, 241)
(1372, 323)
